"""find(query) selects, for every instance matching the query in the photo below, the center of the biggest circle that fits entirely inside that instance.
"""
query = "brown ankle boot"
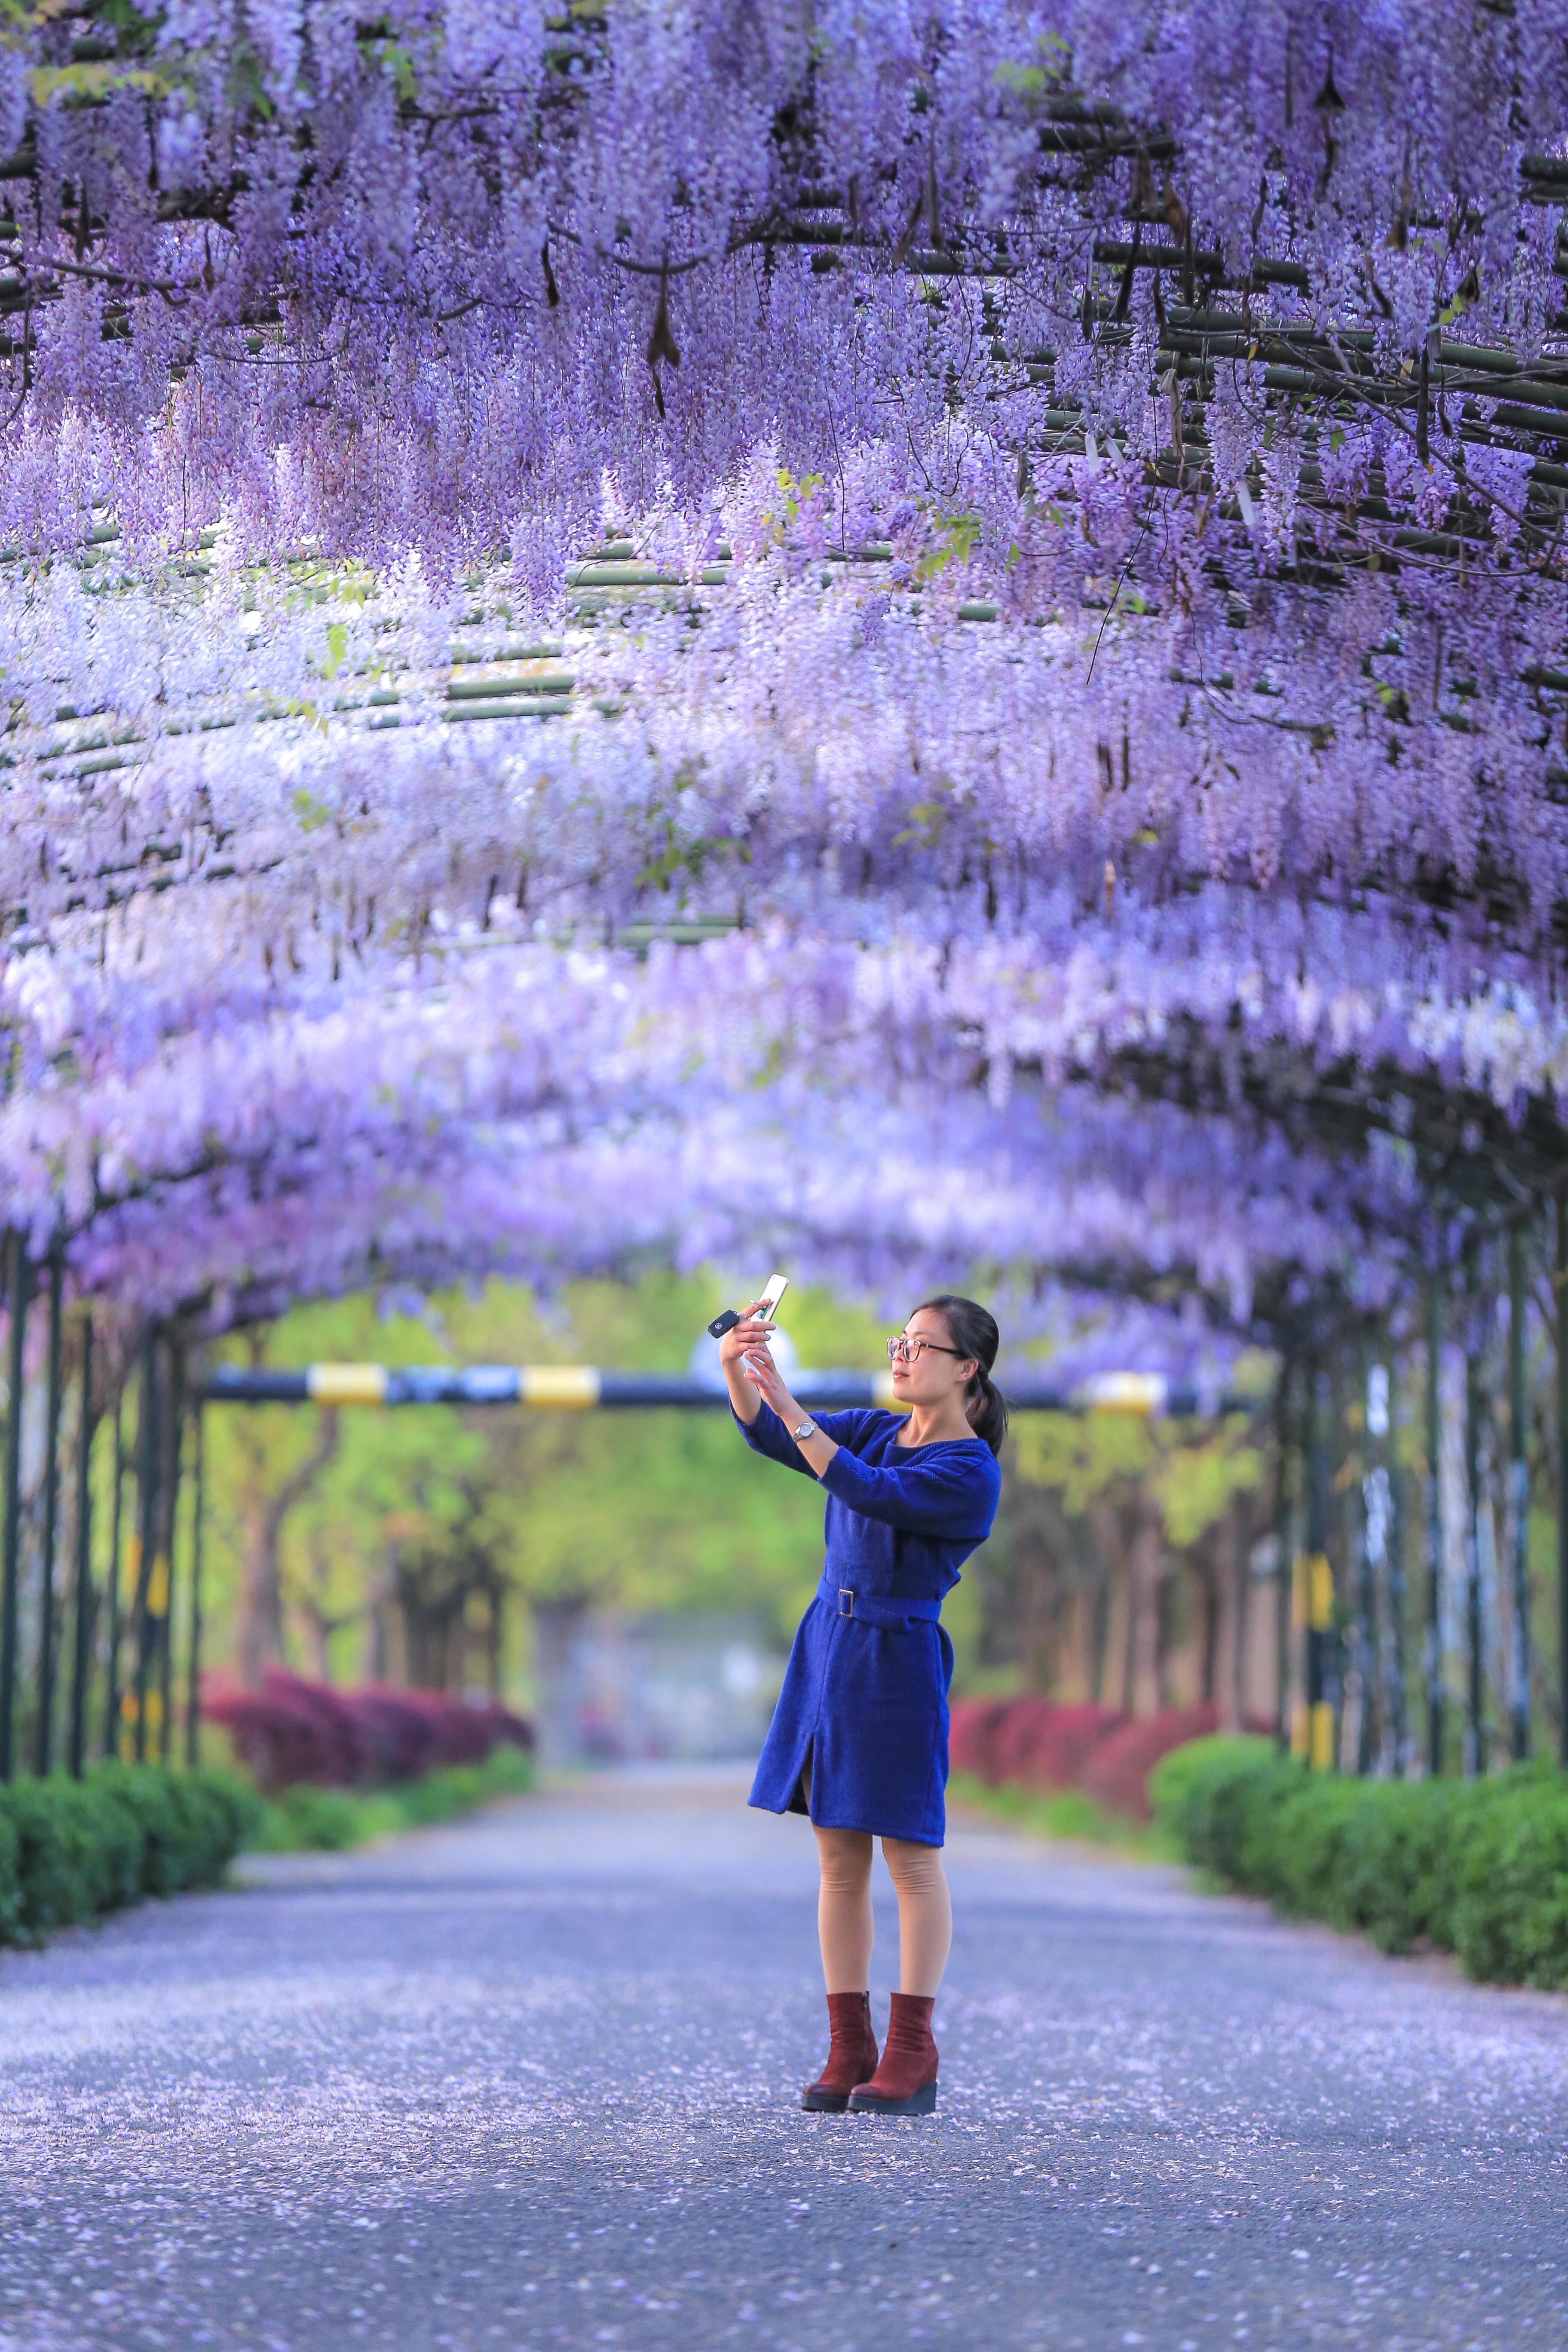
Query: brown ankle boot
(851, 2057)
(905, 2082)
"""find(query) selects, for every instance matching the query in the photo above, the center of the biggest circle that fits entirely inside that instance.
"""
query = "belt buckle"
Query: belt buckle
(847, 1592)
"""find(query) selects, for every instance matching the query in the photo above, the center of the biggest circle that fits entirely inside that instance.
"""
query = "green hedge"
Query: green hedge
(308, 1820)
(1475, 1867)
(72, 1850)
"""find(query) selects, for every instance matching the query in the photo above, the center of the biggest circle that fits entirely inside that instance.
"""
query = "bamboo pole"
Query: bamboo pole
(110, 1741)
(1474, 1660)
(1434, 1530)
(146, 1512)
(1519, 1502)
(1284, 1564)
(83, 1581)
(16, 1283)
(1559, 1274)
(43, 1746)
(174, 1439)
(1395, 1690)
(193, 1659)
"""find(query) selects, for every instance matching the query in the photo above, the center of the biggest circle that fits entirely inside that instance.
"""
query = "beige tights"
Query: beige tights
(844, 1911)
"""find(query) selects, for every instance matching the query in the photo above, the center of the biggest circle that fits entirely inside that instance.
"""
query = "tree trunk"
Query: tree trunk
(1144, 1564)
(260, 1638)
(1232, 1549)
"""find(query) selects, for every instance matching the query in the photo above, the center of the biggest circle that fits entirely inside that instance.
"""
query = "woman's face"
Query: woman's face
(930, 1375)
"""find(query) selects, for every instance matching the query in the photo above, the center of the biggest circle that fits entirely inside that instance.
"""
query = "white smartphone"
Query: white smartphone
(769, 1305)
(766, 1306)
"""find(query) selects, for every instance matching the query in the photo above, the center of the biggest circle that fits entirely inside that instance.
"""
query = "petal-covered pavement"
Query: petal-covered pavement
(530, 2081)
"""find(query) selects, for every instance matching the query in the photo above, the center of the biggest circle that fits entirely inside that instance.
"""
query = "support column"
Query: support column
(1519, 1502)
(1395, 1683)
(1560, 1277)
(81, 1660)
(1475, 1661)
(193, 1661)
(1284, 1562)
(43, 1745)
(1312, 1592)
(174, 1435)
(144, 1633)
(17, 1277)
(1369, 1534)
(111, 1744)
(1380, 1658)
(1434, 1647)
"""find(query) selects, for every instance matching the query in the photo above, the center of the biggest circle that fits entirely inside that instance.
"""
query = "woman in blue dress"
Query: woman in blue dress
(859, 1740)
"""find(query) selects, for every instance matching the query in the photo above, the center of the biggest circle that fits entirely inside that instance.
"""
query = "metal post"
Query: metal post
(1474, 1709)
(112, 1680)
(43, 1746)
(193, 1662)
(145, 1633)
(84, 1599)
(1285, 1562)
(16, 1281)
(1434, 1657)
(1518, 1500)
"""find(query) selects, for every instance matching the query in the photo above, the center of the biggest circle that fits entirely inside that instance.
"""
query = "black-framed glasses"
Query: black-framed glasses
(902, 1349)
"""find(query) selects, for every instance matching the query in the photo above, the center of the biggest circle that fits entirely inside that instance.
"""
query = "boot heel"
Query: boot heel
(921, 2103)
(851, 2057)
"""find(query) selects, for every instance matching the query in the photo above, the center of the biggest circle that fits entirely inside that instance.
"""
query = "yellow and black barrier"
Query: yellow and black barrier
(1312, 1614)
(583, 1387)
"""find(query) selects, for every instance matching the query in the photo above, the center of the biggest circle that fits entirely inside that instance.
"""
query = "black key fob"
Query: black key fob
(723, 1323)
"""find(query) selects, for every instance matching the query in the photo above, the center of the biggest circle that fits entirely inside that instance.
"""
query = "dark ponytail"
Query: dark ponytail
(974, 1333)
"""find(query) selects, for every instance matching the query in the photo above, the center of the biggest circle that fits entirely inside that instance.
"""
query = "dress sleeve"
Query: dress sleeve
(951, 1491)
(767, 1434)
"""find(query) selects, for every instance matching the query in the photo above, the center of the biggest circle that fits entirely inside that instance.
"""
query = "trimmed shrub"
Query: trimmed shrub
(72, 1850)
(323, 1821)
(1478, 1868)
(291, 1731)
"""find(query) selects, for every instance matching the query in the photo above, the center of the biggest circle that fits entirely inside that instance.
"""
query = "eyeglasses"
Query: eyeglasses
(902, 1349)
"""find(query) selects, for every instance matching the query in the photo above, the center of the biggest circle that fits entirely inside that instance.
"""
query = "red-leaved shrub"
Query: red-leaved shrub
(1117, 1774)
(291, 1729)
(1047, 1747)
(972, 1736)
(1033, 1743)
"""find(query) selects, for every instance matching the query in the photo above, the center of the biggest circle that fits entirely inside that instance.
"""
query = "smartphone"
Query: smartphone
(777, 1285)
(767, 1308)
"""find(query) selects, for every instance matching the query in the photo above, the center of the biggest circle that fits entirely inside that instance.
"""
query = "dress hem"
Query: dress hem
(904, 1837)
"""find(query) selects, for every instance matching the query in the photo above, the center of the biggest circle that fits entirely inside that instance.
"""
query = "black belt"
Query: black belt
(883, 1609)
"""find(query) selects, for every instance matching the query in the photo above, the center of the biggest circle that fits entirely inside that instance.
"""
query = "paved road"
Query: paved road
(527, 2082)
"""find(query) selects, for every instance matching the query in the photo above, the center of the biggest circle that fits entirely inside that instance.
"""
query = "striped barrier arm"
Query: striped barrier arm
(583, 1387)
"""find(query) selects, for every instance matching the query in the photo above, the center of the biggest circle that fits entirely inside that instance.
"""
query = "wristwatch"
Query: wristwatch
(807, 1429)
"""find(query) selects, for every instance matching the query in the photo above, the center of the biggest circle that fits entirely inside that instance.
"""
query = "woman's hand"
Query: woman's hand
(752, 1378)
(758, 1365)
(748, 1333)
(742, 1339)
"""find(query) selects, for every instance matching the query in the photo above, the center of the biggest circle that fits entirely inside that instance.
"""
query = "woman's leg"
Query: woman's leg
(925, 1914)
(844, 1908)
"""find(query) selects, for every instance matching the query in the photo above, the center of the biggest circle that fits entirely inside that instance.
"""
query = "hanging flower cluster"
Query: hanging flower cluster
(1005, 527)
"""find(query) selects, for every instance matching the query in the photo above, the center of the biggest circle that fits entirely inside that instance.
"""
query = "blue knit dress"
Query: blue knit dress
(864, 1701)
